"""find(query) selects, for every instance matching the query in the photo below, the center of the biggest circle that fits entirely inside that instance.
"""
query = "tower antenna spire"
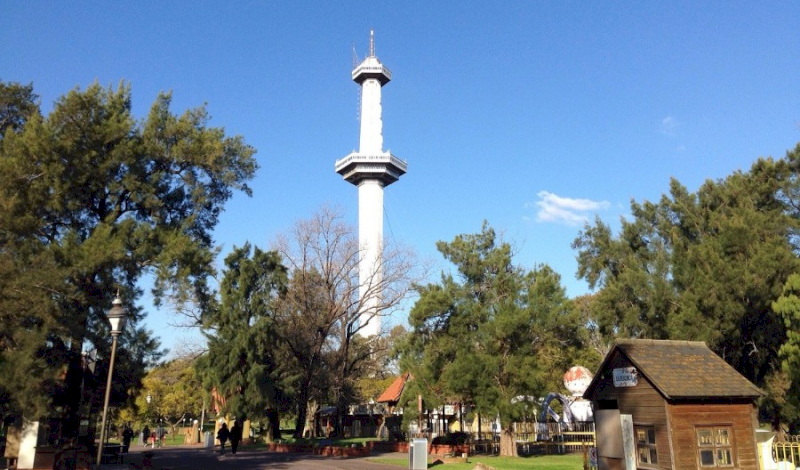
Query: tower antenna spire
(372, 43)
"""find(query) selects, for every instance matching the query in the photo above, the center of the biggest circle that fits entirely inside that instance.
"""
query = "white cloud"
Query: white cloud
(669, 126)
(554, 208)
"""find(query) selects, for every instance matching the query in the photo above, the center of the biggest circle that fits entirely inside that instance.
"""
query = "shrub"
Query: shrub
(452, 439)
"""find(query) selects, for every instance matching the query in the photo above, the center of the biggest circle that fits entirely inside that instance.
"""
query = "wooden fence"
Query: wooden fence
(532, 437)
(539, 438)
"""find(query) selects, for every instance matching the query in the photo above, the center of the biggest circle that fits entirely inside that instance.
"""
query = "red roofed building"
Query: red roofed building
(217, 401)
(391, 396)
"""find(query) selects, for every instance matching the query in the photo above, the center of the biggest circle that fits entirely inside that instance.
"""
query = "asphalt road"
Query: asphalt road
(195, 458)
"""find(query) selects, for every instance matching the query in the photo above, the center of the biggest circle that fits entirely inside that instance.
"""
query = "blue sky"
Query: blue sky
(532, 115)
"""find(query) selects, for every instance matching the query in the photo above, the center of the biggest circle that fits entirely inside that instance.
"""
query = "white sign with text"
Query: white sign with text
(626, 377)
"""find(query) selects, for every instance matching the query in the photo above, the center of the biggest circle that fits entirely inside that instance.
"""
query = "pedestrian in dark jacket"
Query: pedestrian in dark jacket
(236, 436)
(127, 435)
(222, 435)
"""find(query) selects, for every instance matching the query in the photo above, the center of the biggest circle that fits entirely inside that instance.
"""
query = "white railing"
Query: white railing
(356, 157)
(372, 69)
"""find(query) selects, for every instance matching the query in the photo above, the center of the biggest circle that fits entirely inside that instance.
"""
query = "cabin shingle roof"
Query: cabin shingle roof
(682, 369)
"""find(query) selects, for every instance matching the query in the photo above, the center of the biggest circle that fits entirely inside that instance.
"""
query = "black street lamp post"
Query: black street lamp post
(148, 398)
(116, 316)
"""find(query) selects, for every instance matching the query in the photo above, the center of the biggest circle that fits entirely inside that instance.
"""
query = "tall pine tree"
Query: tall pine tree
(244, 362)
(702, 266)
(92, 200)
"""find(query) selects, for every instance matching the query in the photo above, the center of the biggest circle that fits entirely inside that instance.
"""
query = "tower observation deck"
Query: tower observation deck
(371, 169)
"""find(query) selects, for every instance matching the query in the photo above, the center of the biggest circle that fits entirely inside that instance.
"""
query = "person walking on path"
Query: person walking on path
(127, 435)
(146, 435)
(222, 435)
(235, 436)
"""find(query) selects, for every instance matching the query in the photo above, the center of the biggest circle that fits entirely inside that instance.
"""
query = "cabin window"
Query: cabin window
(715, 446)
(646, 445)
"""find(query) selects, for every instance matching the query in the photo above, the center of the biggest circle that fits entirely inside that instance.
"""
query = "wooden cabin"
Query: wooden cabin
(672, 405)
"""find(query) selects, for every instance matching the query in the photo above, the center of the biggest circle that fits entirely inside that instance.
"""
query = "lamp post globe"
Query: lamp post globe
(116, 317)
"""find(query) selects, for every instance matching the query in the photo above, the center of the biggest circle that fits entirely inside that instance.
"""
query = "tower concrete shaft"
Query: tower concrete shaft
(371, 169)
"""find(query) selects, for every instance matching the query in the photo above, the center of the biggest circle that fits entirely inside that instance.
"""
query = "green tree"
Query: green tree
(91, 200)
(788, 307)
(18, 103)
(701, 266)
(492, 336)
(28, 274)
(241, 361)
(175, 392)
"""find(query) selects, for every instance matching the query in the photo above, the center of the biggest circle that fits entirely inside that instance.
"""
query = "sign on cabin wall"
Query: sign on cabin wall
(625, 377)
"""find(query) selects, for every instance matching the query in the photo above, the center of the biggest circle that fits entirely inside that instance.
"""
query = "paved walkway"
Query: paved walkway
(198, 458)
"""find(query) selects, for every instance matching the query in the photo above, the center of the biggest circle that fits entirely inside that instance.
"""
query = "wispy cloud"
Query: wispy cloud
(669, 126)
(553, 208)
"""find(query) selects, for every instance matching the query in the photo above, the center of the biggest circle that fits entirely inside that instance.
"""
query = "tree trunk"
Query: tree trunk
(273, 426)
(341, 412)
(310, 429)
(302, 410)
(76, 372)
(508, 443)
(74, 392)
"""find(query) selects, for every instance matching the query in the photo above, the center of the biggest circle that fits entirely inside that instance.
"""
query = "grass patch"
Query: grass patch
(533, 462)
(358, 441)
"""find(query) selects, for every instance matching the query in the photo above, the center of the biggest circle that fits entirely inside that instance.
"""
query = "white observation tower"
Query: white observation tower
(371, 169)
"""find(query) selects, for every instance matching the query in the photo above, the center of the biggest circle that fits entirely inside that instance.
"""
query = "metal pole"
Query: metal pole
(202, 420)
(108, 394)
(419, 411)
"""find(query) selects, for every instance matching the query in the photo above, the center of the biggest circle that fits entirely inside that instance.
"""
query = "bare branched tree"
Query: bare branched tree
(322, 313)
(187, 315)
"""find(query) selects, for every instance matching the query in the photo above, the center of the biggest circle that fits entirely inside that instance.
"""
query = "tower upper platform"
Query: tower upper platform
(371, 162)
(384, 167)
(371, 67)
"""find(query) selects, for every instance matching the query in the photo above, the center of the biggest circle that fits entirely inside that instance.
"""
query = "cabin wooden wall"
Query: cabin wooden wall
(644, 403)
(740, 417)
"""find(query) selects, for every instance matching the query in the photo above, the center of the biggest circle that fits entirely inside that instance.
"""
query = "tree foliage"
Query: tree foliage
(702, 266)
(242, 362)
(176, 392)
(90, 200)
(492, 335)
(787, 404)
(18, 103)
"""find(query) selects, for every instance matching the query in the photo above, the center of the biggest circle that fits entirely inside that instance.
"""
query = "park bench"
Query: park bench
(112, 453)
